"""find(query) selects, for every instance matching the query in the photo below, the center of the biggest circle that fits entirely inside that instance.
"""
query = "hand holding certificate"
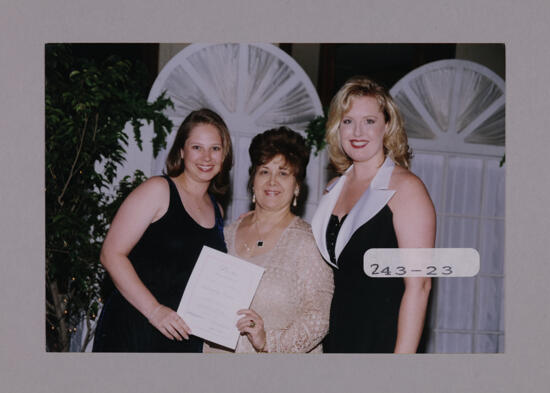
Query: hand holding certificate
(219, 286)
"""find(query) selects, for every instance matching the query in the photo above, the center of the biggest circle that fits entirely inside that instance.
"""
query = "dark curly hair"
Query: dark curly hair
(289, 144)
(174, 164)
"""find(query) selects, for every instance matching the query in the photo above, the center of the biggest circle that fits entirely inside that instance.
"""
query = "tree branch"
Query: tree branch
(50, 307)
(90, 332)
(72, 171)
(59, 309)
(95, 126)
(57, 250)
(51, 171)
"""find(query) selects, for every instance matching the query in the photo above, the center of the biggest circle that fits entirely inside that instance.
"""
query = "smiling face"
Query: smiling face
(202, 153)
(274, 185)
(362, 130)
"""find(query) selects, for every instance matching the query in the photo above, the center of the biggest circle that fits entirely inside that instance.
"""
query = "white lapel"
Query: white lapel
(375, 197)
(321, 217)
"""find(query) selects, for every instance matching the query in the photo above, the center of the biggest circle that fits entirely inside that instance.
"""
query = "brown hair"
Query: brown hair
(174, 163)
(395, 139)
(289, 144)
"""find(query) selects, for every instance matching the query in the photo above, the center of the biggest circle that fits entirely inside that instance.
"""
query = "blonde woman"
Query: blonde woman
(375, 203)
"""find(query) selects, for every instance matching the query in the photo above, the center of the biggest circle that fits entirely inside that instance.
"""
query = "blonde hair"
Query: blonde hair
(395, 139)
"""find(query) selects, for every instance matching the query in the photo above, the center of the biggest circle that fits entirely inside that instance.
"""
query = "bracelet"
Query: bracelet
(150, 314)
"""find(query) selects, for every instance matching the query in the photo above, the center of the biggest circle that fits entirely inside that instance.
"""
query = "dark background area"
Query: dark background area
(385, 63)
(337, 62)
(148, 54)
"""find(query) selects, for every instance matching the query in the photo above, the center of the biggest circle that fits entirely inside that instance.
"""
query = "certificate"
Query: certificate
(218, 287)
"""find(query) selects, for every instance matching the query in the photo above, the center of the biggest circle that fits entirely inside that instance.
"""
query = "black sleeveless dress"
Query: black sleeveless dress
(364, 310)
(163, 258)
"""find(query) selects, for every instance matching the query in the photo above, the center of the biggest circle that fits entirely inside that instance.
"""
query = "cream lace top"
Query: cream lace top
(294, 295)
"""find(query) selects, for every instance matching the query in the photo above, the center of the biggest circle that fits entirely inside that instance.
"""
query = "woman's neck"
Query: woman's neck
(365, 170)
(270, 219)
(192, 187)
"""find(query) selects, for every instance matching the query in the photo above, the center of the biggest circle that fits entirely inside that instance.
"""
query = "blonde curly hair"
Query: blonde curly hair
(395, 139)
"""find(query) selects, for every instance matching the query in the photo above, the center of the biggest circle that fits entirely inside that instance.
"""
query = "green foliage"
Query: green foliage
(88, 104)
(315, 132)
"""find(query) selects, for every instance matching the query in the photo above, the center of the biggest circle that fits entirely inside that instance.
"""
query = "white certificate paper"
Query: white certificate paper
(218, 287)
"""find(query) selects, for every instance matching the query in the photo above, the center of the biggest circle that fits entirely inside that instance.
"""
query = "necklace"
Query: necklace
(248, 249)
(260, 242)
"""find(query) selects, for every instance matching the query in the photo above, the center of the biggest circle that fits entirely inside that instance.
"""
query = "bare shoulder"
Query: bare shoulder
(145, 204)
(405, 182)
(152, 193)
(409, 190)
(414, 216)
(154, 185)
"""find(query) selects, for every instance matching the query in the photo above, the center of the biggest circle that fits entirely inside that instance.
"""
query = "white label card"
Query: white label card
(218, 287)
(421, 262)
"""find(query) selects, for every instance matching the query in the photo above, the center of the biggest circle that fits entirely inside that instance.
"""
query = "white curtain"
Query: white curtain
(468, 192)
(454, 115)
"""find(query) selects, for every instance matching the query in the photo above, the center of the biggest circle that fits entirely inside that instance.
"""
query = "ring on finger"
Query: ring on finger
(252, 324)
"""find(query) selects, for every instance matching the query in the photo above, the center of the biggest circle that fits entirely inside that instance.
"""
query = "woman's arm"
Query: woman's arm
(145, 204)
(315, 280)
(414, 222)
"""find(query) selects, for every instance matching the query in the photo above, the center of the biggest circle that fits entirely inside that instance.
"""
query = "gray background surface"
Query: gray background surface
(26, 27)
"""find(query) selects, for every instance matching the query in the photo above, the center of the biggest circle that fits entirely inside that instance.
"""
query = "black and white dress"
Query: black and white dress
(364, 310)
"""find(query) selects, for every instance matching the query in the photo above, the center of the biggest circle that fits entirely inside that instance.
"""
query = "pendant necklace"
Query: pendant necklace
(260, 241)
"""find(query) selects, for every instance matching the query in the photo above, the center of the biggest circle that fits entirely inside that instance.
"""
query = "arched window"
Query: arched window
(253, 87)
(454, 117)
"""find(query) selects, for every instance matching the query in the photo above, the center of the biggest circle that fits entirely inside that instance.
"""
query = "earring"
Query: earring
(295, 202)
(253, 198)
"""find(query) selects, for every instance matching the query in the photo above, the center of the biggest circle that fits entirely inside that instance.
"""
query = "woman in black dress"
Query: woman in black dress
(376, 203)
(156, 237)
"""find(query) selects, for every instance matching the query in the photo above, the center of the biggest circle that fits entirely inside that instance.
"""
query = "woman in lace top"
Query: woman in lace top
(290, 310)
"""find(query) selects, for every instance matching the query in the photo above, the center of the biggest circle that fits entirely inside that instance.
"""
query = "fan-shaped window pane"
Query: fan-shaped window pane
(415, 126)
(477, 93)
(490, 131)
(434, 89)
(218, 66)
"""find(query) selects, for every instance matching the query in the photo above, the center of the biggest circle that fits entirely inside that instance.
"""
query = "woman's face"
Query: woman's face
(362, 130)
(202, 153)
(274, 184)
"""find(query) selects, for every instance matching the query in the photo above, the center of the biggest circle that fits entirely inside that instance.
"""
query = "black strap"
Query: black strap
(217, 215)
